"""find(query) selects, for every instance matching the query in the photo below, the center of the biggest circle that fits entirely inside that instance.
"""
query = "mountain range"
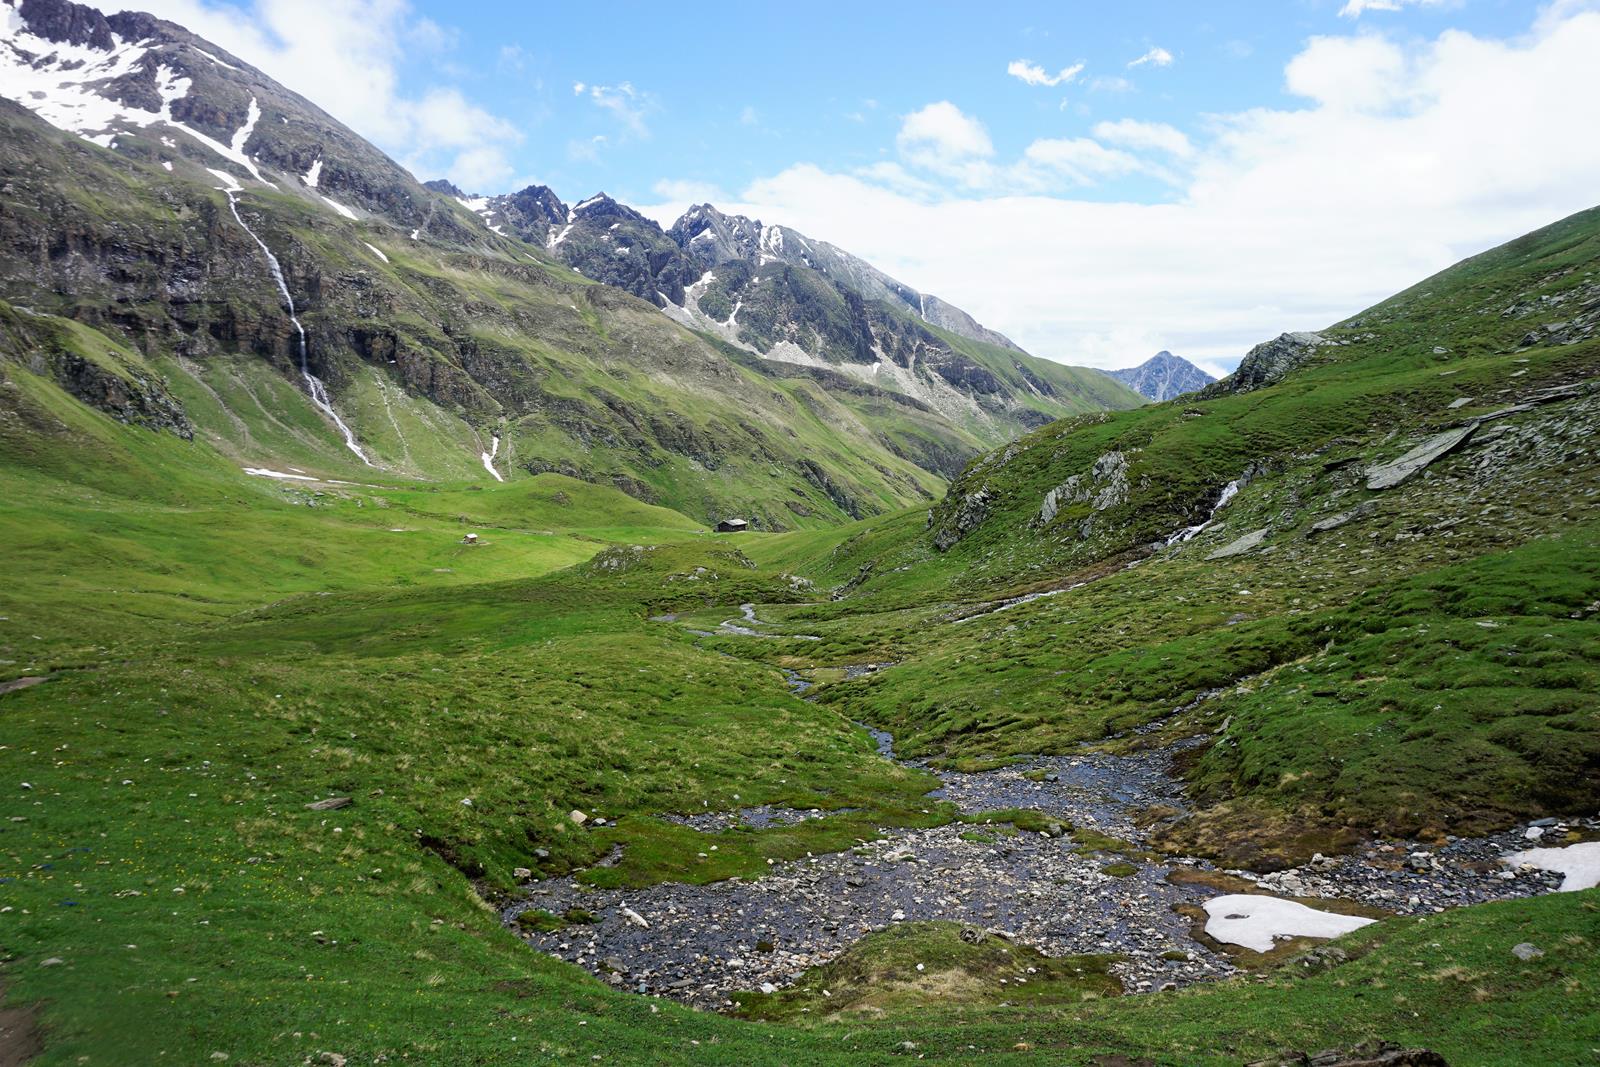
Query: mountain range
(170, 203)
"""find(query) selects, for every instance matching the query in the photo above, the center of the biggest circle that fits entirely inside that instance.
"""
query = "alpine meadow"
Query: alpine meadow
(447, 623)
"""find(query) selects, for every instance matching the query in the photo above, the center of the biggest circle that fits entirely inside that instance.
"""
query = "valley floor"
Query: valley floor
(296, 751)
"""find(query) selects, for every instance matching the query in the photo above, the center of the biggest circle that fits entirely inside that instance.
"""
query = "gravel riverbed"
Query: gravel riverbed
(702, 942)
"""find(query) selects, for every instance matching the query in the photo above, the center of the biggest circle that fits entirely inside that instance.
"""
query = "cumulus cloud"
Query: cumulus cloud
(346, 55)
(1349, 72)
(1033, 74)
(943, 139)
(1160, 57)
(1396, 159)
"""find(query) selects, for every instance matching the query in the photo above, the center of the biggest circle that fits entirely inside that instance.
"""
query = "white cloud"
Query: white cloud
(1354, 9)
(622, 102)
(945, 140)
(1131, 133)
(1033, 74)
(1401, 159)
(476, 169)
(346, 55)
(1079, 160)
(1358, 73)
(1160, 57)
(691, 192)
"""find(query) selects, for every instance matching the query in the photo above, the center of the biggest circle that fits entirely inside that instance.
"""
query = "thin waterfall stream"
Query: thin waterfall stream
(314, 386)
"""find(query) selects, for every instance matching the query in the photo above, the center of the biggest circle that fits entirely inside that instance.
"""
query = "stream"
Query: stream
(703, 942)
(314, 385)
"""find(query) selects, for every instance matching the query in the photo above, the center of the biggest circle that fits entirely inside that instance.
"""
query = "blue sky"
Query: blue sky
(721, 94)
(1266, 167)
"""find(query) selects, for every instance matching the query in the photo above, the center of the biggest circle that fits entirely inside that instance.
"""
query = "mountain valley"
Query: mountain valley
(376, 687)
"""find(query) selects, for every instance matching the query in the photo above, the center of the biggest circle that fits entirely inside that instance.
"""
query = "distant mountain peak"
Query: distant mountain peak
(1163, 376)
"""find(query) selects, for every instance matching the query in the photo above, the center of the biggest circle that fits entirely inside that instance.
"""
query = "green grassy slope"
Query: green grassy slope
(163, 853)
(1423, 665)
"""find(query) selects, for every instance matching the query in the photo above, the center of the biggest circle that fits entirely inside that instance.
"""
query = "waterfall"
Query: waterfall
(314, 386)
(488, 458)
(1229, 491)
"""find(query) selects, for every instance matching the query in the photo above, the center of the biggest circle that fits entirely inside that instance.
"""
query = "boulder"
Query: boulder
(1242, 545)
(1388, 475)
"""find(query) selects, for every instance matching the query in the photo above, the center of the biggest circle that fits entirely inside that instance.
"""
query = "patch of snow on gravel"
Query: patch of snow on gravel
(1256, 922)
(1580, 864)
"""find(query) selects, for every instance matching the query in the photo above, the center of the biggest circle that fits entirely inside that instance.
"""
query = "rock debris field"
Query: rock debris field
(700, 943)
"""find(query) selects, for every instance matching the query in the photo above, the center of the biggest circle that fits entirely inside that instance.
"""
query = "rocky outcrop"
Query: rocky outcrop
(1104, 486)
(48, 347)
(1388, 475)
(954, 523)
(138, 400)
(1240, 546)
(1268, 363)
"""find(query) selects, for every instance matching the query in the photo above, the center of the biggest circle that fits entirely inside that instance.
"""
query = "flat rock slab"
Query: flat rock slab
(22, 683)
(1389, 475)
(1242, 545)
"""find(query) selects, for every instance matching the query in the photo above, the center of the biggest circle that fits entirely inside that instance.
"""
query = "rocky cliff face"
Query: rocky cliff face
(1163, 376)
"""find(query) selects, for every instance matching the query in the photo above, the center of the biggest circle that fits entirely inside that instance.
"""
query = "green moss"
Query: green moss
(910, 967)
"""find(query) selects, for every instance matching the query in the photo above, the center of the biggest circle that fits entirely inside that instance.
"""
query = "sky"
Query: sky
(1099, 181)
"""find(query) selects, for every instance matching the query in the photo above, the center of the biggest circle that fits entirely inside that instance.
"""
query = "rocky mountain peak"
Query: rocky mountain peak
(1270, 361)
(155, 93)
(1163, 376)
(712, 237)
(543, 199)
(448, 188)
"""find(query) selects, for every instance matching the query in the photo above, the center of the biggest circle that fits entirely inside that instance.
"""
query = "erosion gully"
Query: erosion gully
(703, 942)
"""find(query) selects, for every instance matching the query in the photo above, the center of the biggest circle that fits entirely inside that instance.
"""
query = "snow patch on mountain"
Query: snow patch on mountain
(340, 208)
(59, 82)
